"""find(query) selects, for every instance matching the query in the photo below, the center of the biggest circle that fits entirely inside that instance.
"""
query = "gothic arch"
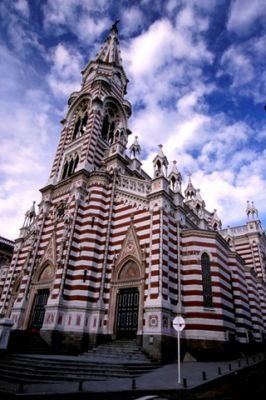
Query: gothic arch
(75, 105)
(44, 274)
(70, 165)
(122, 273)
(43, 278)
(129, 273)
(117, 104)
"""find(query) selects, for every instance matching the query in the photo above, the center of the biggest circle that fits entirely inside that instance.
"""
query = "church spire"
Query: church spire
(110, 51)
(107, 65)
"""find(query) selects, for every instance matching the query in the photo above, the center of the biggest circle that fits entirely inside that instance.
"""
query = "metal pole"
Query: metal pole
(179, 302)
(178, 358)
(178, 266)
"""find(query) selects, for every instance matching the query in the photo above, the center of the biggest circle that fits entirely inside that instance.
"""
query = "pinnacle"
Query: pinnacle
(110, 52)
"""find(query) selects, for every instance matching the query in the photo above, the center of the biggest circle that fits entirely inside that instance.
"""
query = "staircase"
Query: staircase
(120, 359)
(119, 351)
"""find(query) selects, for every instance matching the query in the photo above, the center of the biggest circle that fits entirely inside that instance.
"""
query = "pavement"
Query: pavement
(165, 378)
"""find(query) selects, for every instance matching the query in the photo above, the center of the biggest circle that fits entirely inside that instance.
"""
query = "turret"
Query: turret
(175, 179)
(160, 163)
(190, 191)
(215, 222)
(134, 152)
(252, 212)
(29, 220)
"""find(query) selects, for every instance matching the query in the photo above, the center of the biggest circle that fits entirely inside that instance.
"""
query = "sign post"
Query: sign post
(179, 325)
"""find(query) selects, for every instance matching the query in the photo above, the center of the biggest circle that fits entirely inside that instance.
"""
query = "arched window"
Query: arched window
(83, 124)
(65, 170)
(111, 120)
(76, 129)
(111, 133)
(70, 167)
(81, 120)
(75, 164)
(105, 127)
(206, 280)
(158, 168)
(173, 183)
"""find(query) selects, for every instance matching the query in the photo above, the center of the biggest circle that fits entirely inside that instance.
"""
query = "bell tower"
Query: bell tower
(97, 115)
(62, 256)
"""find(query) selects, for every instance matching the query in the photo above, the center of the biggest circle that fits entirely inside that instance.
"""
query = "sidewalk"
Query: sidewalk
(193, 374)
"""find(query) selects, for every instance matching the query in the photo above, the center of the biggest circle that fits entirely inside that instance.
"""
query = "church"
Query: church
(113, 253)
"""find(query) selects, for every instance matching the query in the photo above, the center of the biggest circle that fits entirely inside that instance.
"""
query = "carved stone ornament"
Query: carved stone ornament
(131, 246)
(32, 235)
(68, 219)
(50, 252)
(60, 210)
(153, 321)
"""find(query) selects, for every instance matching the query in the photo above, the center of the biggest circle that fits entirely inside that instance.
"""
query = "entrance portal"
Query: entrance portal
(38, 309)
(127, 313)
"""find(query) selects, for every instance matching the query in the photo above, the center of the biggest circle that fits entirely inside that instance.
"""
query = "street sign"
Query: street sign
(179, 323)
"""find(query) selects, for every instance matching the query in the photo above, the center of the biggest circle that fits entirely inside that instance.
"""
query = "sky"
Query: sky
(197, 85)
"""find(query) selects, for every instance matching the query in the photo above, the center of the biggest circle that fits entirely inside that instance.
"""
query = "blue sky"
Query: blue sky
(197, 85)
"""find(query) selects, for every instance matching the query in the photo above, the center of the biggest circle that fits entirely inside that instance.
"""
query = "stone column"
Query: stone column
(5, 328)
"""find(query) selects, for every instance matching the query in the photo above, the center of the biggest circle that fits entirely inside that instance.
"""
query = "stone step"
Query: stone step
(27, 369)
(55, 366)
(120, 349)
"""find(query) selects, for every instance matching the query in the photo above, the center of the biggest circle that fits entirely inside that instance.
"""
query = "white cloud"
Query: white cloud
(89, 29)
(188, 19)
(171, 5)
(24, 41)
(65, 76)
(244, 63)
(165, 65)
(85, 19)
(238, 65)
(244, 13)
(160, 45)
(132, 20)
(27, 141)
(23, 7)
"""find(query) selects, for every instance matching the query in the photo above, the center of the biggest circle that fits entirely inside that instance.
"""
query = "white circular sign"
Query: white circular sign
(179, 323)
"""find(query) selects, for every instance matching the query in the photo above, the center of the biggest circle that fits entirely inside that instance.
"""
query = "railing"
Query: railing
(134, 185)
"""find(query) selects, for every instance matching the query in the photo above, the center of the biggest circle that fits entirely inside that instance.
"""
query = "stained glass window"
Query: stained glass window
(206, 280)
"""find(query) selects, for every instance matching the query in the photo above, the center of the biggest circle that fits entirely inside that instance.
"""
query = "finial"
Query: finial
(114, 26)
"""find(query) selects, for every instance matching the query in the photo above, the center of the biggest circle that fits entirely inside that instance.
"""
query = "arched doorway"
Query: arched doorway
(126, 308)
(42, 282)
(38, 309)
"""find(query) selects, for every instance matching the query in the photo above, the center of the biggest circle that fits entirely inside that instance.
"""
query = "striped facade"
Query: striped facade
(105, 230)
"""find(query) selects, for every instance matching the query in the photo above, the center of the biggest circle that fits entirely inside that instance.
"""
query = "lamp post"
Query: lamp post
(178, 321)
